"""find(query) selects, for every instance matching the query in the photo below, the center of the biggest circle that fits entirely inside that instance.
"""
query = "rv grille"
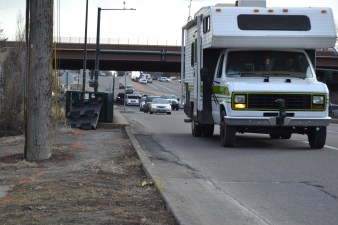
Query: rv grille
(267, 101)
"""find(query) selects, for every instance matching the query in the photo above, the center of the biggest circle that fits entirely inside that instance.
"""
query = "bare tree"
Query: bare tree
(12, 86)
(39, 81)
(2, 38)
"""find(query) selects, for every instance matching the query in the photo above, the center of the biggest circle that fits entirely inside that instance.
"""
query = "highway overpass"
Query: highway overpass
(121, 57)
(154, 58)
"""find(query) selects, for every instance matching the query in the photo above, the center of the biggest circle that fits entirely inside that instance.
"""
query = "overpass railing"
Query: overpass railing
(119, 41)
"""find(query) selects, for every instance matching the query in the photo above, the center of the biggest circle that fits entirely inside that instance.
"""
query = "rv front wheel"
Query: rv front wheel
(227, 135)
(316, 137)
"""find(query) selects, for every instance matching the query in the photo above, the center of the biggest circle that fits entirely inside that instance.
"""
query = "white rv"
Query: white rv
(251, 69)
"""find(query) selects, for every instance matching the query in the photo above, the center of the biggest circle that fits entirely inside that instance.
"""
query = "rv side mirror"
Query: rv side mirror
(204, 74)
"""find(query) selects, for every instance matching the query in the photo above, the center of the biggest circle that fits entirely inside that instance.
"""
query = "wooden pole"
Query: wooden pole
(39, 82)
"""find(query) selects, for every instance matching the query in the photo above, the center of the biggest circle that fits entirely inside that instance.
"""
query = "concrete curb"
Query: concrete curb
(146, 164)
(150, 173)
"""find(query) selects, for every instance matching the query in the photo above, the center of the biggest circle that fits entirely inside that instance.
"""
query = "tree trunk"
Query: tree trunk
(39, 81)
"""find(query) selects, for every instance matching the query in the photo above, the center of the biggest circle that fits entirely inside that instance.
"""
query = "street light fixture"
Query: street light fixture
(96, 84)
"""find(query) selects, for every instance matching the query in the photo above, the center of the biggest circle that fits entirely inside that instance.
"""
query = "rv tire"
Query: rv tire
(316, 137)
(227, 135)
(208, 130)
(196, 129)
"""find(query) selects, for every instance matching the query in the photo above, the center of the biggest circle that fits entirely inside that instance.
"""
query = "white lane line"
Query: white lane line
(330, 147)
(166, 88)
(325, 146)
(153, 86)
(335, 132)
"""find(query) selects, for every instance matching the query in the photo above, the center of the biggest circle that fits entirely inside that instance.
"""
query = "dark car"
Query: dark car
(129, 89)
(147, 102)
(120, 98)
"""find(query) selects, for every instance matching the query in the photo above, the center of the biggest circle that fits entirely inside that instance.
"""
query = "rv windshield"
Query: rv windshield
(268, 63)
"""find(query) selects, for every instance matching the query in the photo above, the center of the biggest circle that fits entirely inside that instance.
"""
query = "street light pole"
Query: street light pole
(97, 59)
(96, 72)
(85, 55)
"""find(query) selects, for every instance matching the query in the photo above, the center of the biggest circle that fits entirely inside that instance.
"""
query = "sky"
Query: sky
(153, 20)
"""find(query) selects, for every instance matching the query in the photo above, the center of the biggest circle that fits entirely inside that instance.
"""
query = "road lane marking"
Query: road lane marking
(153, 86)
(166, 88)
(330, 147)
(335, 132)
(325, 146)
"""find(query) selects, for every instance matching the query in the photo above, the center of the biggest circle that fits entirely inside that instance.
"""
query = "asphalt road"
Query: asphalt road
(279, 181)
(263, 181)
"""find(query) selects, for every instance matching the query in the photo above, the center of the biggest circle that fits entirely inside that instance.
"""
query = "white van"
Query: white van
(132, 99)
(142, 80)
(145, 78)
(149, 79)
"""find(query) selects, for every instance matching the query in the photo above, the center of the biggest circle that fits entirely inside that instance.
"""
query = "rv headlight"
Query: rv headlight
(239, 101)
(318, 102)
(318, 99)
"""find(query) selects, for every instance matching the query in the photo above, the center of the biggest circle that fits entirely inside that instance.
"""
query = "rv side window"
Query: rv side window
(192, 60)
(220, 66)
(206, 24)
(193, 53)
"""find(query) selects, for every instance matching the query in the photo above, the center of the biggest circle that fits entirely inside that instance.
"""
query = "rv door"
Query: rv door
(197, 69)
(216, 86)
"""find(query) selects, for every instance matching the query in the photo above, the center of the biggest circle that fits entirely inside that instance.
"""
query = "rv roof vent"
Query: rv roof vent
(251, 3)
(225, 5)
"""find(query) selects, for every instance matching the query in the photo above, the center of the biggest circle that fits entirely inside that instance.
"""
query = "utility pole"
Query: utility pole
(39, 80)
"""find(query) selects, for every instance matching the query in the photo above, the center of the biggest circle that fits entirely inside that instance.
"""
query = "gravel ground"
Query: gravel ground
(93, 177)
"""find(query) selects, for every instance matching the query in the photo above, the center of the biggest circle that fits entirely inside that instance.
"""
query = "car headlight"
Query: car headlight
(318, 101)
(153, 106)
(240, 101)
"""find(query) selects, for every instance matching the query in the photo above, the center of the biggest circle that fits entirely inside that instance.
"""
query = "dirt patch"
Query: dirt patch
(93, 177)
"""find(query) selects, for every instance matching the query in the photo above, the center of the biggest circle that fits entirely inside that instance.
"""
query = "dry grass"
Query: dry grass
(76, 187)
(106, 167)
(19, 165)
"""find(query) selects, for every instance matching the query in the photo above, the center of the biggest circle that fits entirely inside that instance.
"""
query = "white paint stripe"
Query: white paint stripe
(166, 88)
(330, 147)
(334, 132)
(325, 146)
(153, 86)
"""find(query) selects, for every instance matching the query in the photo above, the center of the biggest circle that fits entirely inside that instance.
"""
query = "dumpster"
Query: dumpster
(85, 110)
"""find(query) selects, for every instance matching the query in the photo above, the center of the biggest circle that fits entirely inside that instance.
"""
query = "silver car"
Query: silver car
(160, 105)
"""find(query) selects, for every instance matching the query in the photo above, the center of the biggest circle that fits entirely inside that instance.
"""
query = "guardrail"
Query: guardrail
(119, 41)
